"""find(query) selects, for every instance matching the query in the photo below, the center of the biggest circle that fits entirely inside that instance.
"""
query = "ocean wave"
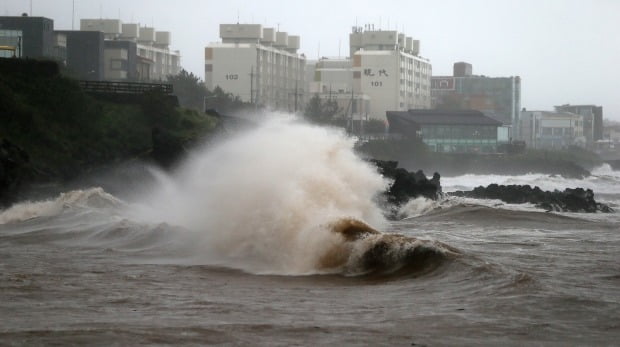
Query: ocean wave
(76, 199)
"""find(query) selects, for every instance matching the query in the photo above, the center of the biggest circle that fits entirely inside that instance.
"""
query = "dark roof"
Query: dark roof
(440, 117)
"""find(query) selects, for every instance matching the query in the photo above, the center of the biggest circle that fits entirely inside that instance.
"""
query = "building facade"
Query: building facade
(451, 131)
(552, 130)
(388, 69)
(134, 53)
(259, 65)
(592, 120)
(32, 37)
(84, 54)
(332, 79)
(11, 43)
(496, 97)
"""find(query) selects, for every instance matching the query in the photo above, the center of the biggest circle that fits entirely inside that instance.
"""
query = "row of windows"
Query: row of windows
(560, 131)
(459, 132)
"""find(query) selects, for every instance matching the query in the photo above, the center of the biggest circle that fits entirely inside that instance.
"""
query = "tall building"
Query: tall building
(592, 120)
(496, 97)
(132, 52)
(552, 130)
(259, 65)
(387, 67)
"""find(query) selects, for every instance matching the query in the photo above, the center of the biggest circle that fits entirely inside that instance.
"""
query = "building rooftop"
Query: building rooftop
(441, 117)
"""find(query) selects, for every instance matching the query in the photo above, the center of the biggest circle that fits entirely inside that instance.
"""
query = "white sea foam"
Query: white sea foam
(263, 201)
(94, 197)
(603, 180)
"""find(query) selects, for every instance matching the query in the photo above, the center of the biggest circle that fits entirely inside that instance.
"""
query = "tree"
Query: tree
(192, 93)
(321, 112)
(189, 89)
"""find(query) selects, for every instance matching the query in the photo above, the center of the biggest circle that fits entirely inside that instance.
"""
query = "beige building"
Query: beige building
(259, 65)
(552, 130)
(332, 79)
(133, 52)
(388, 69)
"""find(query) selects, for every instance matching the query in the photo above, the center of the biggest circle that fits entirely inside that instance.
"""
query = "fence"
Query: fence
(124, 87)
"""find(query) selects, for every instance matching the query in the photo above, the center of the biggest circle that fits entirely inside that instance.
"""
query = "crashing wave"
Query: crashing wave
(89, 198)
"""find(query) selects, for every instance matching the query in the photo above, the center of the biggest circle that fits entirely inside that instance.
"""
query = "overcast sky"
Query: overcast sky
(566, 51)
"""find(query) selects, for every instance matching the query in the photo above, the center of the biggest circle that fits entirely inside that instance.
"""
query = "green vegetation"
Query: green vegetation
(67, 132)
(193, 94)
(323, 112)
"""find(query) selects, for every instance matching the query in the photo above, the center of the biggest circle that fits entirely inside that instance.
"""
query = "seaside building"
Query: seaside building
(592, 120)
(452, 131)
(496, 97)
(85, 49)
(552, 130)
(387, 68)
(31, 37)
(259, 65)
(134, 53)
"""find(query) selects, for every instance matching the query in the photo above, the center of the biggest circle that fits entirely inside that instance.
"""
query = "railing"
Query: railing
(124, 87)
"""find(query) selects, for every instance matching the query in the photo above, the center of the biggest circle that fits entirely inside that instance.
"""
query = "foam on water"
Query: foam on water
(88, 198)
(603, 180)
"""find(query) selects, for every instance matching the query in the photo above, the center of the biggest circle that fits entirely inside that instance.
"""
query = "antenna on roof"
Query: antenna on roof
(237, 16)
(72, 14)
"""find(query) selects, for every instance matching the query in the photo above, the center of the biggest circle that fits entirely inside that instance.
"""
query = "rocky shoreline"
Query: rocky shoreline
(569, 200)
(407, 185)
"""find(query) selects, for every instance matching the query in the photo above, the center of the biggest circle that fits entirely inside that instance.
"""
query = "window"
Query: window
(118, 64)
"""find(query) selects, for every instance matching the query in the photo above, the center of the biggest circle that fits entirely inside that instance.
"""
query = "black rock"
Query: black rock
(14, 170)
(407, 185)
(569, 200)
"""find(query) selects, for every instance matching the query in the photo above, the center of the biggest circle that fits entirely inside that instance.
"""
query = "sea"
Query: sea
(277, 236)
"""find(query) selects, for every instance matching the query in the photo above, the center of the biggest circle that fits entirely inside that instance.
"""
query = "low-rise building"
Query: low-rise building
(134, 53)
(30, 37)
(592, 120)
(457, 131)
(85, 54)
(552, 130)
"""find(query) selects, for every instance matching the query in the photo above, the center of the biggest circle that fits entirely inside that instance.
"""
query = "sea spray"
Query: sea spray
(263, 201)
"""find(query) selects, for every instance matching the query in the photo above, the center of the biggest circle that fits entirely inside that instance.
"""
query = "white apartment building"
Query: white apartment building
(259, 65)
(552, 130)
(153, 60)
(332, 79)
(387, 67)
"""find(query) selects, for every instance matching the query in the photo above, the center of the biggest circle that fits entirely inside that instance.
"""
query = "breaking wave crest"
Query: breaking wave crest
(77, 199)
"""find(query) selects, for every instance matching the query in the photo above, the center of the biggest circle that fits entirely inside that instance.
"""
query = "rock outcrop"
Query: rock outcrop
(569, 200)
(407, 185)
(14, 167)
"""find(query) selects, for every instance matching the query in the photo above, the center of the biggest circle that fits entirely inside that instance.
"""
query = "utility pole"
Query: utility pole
(252, 84)
(295, 95)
